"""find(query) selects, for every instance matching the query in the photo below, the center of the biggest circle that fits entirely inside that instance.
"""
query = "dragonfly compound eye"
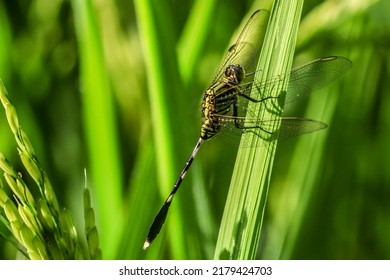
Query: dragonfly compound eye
(235, 73)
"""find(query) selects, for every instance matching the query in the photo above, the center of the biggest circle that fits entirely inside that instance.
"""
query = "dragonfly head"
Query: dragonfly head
(234, 74)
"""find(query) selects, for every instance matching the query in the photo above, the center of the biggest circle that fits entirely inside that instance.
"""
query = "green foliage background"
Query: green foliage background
(75, 71)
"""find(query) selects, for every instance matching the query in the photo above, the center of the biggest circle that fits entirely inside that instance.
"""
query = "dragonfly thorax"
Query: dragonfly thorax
(219, 100)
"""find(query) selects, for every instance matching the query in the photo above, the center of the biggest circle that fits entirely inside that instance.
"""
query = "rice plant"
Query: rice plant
(40, 228)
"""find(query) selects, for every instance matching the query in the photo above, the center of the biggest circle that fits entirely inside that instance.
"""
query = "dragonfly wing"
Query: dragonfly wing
(315, 75)
(293, 126)
(234, 127)
(246, 49)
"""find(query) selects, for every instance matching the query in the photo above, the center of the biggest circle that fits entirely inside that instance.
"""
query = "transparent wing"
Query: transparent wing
(246, 49)
(234, 127)
(293, 126)
(303, 80)
(315, 75)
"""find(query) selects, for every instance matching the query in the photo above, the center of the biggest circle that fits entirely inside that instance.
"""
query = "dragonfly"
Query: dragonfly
(224, 104)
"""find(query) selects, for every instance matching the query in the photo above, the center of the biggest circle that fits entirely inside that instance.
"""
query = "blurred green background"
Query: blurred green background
(77, 73)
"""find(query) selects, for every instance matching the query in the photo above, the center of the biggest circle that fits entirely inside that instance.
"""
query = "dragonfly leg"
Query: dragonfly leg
(238, 121)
